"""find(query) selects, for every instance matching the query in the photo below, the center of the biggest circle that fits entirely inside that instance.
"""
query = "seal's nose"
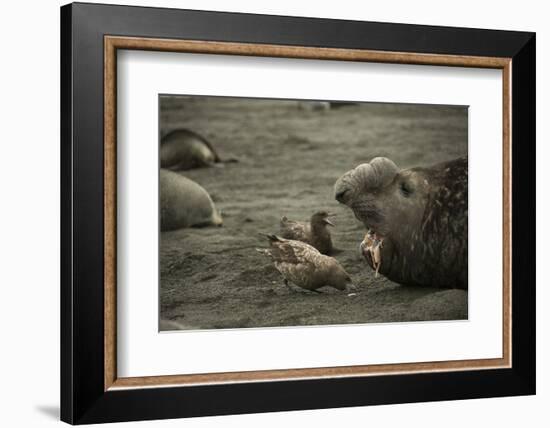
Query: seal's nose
(340, 195)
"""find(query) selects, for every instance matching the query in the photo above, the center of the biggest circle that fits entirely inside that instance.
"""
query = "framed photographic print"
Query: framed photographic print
(266, 213)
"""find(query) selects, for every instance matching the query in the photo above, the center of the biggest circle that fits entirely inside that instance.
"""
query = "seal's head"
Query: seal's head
(421, 215)
(382, 196)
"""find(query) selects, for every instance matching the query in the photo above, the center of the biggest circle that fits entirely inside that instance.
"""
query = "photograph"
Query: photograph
(285, 213)
(262, 212)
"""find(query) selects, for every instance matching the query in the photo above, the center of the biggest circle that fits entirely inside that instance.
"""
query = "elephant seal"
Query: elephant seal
(420, 213)
(184, 203)
(183, 149)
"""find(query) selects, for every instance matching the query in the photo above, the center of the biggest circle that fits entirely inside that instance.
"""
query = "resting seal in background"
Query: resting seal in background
(422, 215)
(183, 149)
(184, 203)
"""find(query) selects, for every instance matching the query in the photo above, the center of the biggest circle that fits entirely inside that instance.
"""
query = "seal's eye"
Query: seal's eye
(406, 189)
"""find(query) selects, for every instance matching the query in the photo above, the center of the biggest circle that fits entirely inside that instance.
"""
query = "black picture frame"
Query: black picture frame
(83, 398)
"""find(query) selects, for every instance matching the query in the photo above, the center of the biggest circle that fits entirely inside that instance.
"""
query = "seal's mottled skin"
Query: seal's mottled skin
(184, 203)
(422, 214)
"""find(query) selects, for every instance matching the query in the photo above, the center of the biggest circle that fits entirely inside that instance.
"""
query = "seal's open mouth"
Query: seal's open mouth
(371, 249)
(374, 233)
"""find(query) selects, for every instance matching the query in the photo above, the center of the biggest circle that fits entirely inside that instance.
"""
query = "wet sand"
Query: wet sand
(289, 158)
